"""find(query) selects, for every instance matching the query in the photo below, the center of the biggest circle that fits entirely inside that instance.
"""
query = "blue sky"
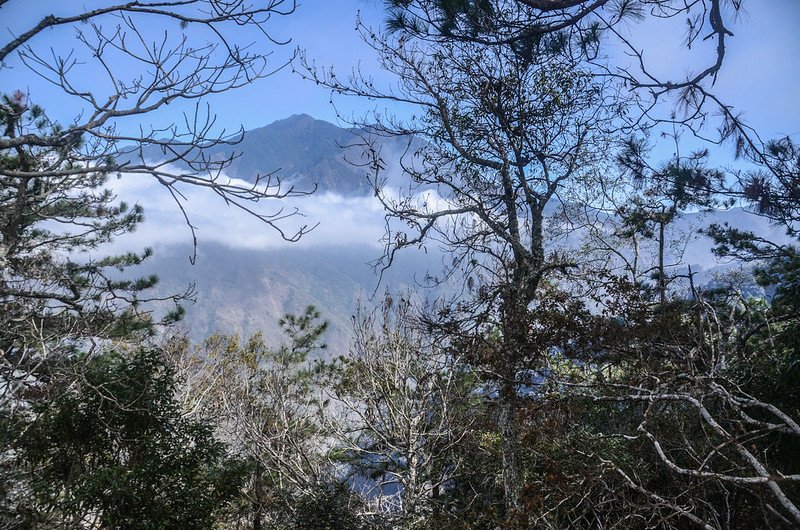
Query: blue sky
(760, 76)
(326, 29)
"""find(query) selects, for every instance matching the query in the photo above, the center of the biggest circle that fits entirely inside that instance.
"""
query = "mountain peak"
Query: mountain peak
(305, 152)
(301, 117)
(300, 120)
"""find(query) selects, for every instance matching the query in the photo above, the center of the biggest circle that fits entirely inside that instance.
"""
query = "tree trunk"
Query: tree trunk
(258, 504)
(662, 278)
(509, 432)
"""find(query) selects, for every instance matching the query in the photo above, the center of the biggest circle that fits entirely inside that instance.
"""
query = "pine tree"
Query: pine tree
(89, 427)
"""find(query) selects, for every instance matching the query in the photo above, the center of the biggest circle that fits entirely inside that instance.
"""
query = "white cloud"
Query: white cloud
(341, 220)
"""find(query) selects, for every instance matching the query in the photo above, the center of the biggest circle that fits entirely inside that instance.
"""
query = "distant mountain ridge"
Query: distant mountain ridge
(303, 152)
(248, 290)
(245, 291)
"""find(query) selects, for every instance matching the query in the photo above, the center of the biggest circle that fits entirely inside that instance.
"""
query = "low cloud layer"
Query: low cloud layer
(340, 220)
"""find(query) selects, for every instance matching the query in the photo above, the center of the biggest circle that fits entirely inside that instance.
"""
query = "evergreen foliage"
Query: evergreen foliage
(114, 451)
(90, 431)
